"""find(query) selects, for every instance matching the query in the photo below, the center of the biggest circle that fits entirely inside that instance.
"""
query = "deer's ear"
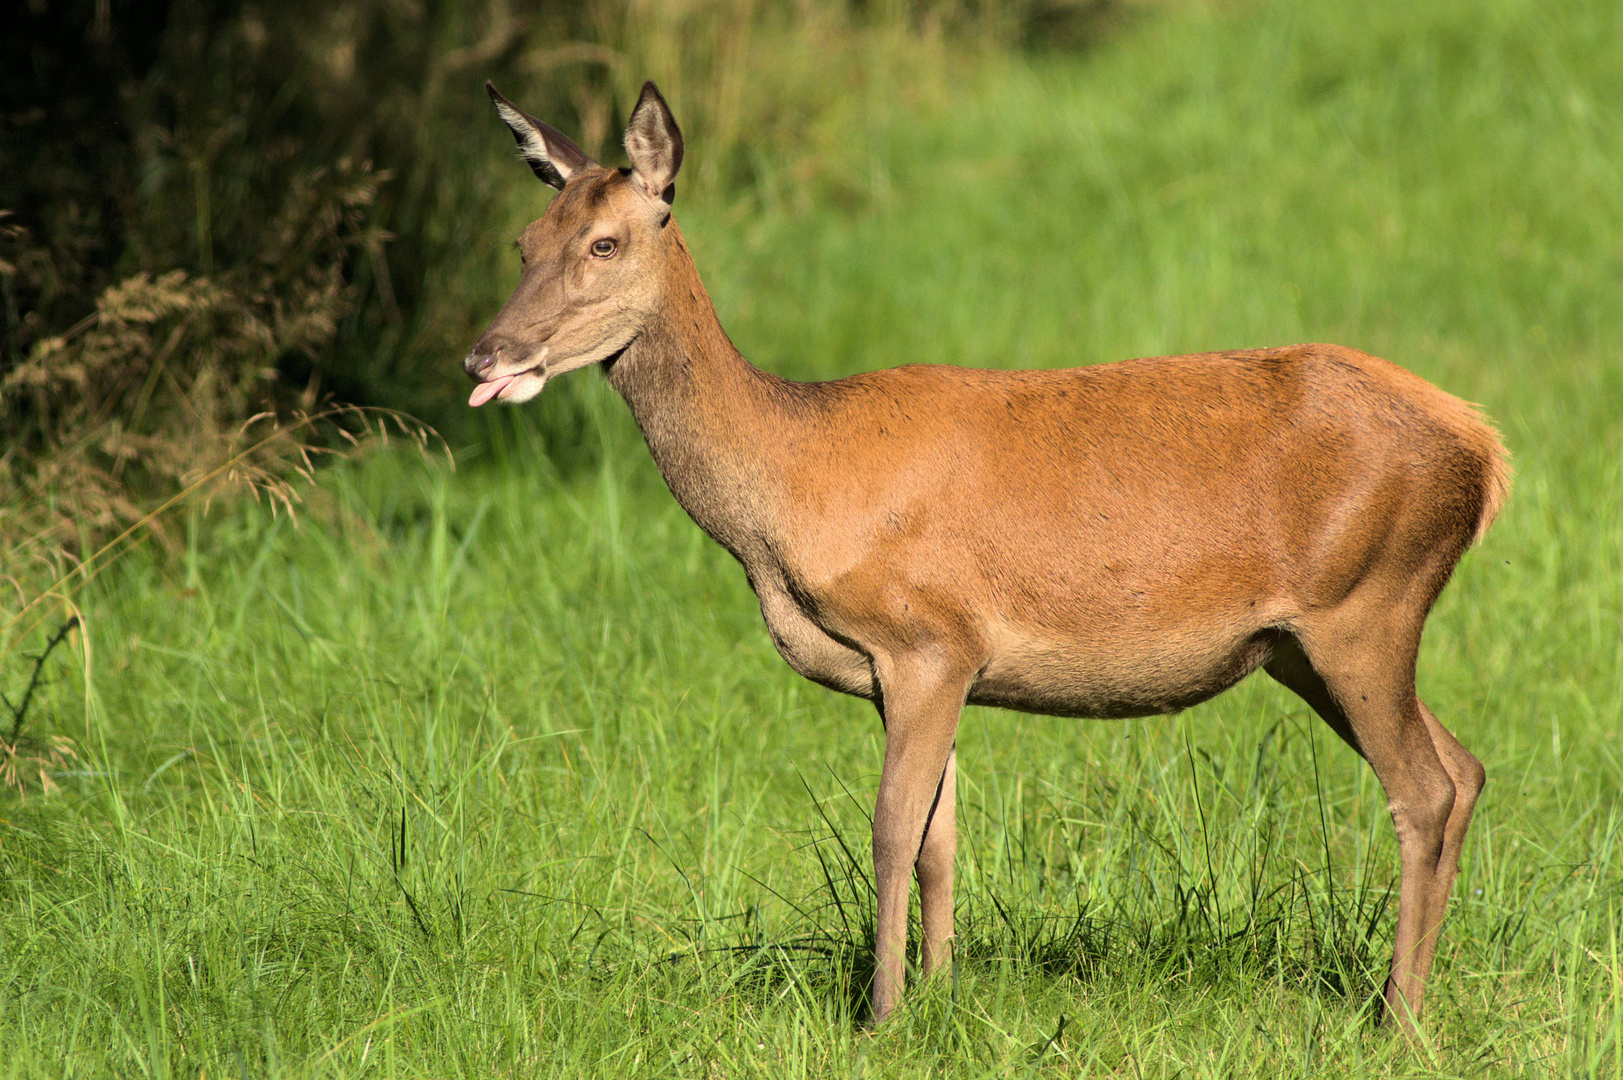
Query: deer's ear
(654, 144)
(550, 153)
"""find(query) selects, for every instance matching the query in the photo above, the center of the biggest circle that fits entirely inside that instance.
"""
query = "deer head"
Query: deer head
(593, 264)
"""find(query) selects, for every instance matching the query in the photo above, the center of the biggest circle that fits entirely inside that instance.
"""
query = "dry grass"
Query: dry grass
(173, 379)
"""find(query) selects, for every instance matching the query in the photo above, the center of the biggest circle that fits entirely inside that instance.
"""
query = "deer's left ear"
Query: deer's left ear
(549, 152)
(654, 144)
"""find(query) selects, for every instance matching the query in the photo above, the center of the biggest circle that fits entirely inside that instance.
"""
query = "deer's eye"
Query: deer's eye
(603, 248)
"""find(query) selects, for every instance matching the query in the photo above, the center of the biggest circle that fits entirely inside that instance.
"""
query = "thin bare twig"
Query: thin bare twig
(20, 710)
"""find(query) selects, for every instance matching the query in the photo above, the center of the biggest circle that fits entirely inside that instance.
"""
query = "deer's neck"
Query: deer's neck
(711, 419)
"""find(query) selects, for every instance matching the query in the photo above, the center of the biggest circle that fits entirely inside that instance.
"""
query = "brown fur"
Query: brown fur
(1120, 540)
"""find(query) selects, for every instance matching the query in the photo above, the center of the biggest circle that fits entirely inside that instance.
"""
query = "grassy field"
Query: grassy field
(494, 771)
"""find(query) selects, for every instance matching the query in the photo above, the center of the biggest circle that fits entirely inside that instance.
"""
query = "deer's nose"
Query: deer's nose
(480, 359)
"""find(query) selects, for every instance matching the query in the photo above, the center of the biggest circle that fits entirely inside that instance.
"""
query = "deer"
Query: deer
(1105, 541)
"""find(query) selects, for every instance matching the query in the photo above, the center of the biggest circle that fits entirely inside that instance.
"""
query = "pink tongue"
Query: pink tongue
(487, 390)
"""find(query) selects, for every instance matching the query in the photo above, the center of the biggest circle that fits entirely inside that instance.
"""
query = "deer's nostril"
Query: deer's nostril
(486, 362)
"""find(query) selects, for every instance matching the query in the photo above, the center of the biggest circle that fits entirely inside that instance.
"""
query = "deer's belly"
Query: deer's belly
(1120, 666)
(1126, 677)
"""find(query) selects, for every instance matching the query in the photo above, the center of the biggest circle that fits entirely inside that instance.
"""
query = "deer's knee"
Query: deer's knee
(1421, 816)
(893, 848)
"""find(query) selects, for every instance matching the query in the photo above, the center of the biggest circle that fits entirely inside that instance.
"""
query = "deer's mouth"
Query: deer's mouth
(521, 386)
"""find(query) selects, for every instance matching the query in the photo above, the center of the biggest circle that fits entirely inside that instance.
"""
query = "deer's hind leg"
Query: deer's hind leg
(1469, 777)
(1358, 674)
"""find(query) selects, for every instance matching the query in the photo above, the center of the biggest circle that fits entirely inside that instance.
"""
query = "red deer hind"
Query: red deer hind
(1119, 540)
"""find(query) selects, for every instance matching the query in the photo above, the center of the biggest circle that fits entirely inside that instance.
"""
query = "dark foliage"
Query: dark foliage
(170, 136)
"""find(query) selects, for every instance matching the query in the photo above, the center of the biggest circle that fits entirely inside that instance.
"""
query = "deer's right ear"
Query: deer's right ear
(550, 153)
(654, 144)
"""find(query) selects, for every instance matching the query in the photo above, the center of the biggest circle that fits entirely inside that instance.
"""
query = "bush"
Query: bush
(157, 388)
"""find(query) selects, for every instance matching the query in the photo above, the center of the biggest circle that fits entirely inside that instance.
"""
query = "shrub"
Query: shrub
(162, 384)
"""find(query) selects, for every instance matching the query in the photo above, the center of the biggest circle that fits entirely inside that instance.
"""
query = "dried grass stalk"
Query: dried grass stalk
(174, 378)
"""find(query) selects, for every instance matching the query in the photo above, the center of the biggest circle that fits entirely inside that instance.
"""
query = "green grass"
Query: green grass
(496, 772)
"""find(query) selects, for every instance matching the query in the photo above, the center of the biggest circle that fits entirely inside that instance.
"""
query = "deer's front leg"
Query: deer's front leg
(922, 698)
